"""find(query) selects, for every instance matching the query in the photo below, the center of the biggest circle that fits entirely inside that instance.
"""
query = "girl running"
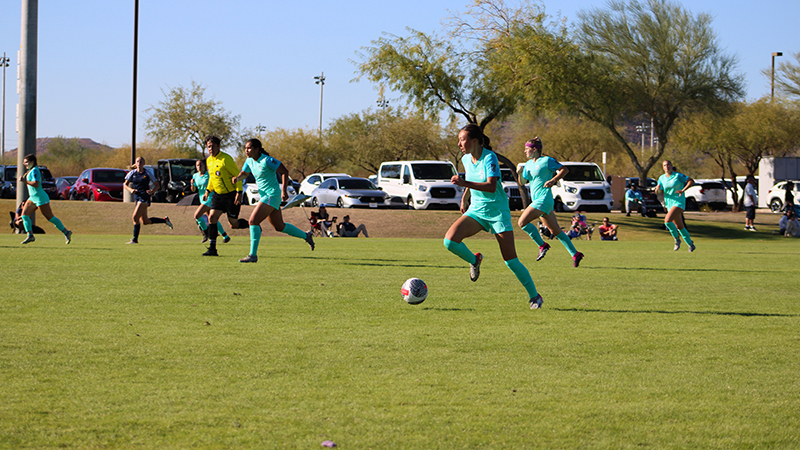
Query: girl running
(674, 184)
(138, 182)
(199, 184)
(37, 199)
(488, 210)
(543, 172)
(263, 167)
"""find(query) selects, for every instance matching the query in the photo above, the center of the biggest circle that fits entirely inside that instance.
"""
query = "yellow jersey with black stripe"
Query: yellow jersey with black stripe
(221, 170)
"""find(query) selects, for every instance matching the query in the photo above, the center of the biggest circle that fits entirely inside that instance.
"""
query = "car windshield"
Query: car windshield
(584, 172)
(712, 185)
(109, 176)
(11, 173)
(356, 183)
(46, 175)
(433, 171)
(507, 175)
(182, 170)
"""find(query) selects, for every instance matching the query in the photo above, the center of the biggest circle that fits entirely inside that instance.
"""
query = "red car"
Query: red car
(100, 184)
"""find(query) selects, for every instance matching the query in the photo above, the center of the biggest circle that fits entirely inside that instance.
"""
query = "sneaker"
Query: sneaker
(68, 236)
(205, 239)
(692, 247)
(226, 239)
(543, 251)
(249, 258)
(753, 229)
(628, 214)
(677, 246)
(475, 269)
(29, 239)
(169, 224)
(536, 302)
(747, 228)
(576, 260)
(132, 241)
(211, 252)
(310, 239)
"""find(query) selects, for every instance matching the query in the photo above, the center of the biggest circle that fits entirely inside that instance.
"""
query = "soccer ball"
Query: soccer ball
(414, 291)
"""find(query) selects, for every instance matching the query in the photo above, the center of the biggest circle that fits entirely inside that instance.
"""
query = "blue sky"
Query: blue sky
(259, 57)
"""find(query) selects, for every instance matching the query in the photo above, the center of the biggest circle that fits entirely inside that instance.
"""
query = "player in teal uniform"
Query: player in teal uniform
(37, 199)
(674, 184)
(199, 184)
(263, 167)
(488, 210)
(543, 172)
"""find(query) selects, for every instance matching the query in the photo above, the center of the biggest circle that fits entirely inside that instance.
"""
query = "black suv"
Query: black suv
(8, 182)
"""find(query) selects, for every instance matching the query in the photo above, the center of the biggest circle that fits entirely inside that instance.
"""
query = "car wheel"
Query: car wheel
(558, 205)
(90, 196)
(314, 202)
(410, 202)
(171, 198)
(776, 205)
(691, 204)
(339, 202)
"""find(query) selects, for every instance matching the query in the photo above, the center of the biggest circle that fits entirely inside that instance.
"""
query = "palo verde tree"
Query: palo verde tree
(787, 77)
(185, 117)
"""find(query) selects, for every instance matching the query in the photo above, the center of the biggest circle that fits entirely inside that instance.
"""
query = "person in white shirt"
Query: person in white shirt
(750, 202)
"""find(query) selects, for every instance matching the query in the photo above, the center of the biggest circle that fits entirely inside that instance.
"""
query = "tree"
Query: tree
(301, 150)
(787, 77)
(68, 156)
(185, 118)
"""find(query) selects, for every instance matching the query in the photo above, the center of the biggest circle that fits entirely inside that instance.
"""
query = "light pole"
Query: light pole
(772, 76)
(3, 63)
(382, 103)
(642, 129)
(321, 82)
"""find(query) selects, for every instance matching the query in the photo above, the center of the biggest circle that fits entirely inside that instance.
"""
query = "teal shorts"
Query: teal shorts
(500, 222)
(38, 199)
(680, 203)
(274, 201)
(208, 201)
(543, 204)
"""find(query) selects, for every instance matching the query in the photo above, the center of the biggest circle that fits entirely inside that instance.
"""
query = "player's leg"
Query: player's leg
(462, 228)
(528, 225)
(509, 252)
(27, 223)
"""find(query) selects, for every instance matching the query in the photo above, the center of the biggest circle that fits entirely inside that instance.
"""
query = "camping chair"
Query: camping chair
(316, 225)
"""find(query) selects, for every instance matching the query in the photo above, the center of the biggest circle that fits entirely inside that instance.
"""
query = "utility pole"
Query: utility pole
(127, 197)
(321, 82)
(27, 89)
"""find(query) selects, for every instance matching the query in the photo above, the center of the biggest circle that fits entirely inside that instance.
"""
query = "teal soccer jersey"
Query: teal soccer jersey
(201, 182)
(37, 194)
(263, 170)
(670, 185)
(490, 209)
(538, 172)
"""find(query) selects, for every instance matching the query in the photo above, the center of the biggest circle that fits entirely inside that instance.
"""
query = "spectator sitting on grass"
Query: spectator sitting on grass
(347, 229)
(789, 226)
(608, 231)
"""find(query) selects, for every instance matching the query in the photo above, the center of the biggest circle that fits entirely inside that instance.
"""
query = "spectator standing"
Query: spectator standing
(750, 203)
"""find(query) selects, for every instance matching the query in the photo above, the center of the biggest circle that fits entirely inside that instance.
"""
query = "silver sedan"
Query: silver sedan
(348, 192)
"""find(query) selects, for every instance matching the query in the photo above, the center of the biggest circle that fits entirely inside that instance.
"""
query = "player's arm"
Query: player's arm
(561, 173)
(689, 183)
(284, 172)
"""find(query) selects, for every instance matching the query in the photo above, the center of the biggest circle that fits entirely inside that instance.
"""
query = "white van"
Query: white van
(584, 188)
(420, 184)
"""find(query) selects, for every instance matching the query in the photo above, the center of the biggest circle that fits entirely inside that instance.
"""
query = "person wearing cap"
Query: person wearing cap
(543, 172)
(348, 229)
(633, 198)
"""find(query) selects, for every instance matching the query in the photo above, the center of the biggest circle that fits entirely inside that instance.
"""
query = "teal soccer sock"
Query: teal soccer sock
(293, 231)
(567, 243)
(523, 276)
(673, 230)
(460, 249)
(685, 235)
(55, 221)
(221, 230)
(533, 232)
(203, 225)
(27, 223)
(255, 238)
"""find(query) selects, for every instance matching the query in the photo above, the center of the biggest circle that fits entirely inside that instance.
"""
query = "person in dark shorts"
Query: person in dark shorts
(141, 185)
(227, 193)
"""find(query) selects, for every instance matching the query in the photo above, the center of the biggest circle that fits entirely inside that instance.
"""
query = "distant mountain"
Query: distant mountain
(43, 143)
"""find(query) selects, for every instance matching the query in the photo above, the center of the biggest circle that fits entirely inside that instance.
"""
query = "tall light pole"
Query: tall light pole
(772, 76)
(4, 63)
(321, 82)
(642, 129)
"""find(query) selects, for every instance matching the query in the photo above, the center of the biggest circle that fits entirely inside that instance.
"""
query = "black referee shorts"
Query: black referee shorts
(226, 203)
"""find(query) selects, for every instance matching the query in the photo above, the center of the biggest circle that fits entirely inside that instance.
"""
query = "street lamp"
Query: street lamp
(321, 82)
(642, 129)
(4, 63)
(382, 103)
(772, 76)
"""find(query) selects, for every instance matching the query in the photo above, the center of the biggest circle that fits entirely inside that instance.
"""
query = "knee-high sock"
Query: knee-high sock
(673, 230)
(533, 232)
(212, 237)
(136, 229)
(460, 249)
(293, 231)
(221, 230)
(27, 223)
(567, 242)
(55, 221)
(202, 224)
(255, 238)
(685, 235)
(523, 276)
(157, 220)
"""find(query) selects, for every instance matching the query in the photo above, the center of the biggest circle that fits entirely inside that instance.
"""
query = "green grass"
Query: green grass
(105, 345)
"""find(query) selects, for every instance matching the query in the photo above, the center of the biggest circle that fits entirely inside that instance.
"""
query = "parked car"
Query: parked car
(648, 194)
(99, 184)
(706, 192)
(8, 188)
(312, 181)
(250, 189)
(421, 184)
(63, 187)
(776, 195)
(174, 177)
(349, 192)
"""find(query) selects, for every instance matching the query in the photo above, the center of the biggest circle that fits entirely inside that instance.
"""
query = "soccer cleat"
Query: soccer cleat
(29, 239)
(677, 246)
(576, 260)
(132, 241)
(169, 224)
(475, 269)
(226, 239)
(249, 258)
(543, 251)
(310, 239)
(691, 247)
(211, 252)
(68, 236)
(536, 302)
(747, 228)
(753, 229)
(205, 239)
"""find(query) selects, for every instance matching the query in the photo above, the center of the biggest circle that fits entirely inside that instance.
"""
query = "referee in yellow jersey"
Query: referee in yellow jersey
(227, 196)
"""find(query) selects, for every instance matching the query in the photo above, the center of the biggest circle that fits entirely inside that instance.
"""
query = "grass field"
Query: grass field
(105, 345)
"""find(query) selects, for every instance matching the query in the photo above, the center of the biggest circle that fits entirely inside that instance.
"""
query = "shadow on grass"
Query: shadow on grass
(653, 311)
(448, 309)
(675, 269)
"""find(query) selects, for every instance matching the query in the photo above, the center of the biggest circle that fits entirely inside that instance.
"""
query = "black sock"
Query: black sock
(136, 229)
(212, 235)
(244, 224)
(156, 220)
